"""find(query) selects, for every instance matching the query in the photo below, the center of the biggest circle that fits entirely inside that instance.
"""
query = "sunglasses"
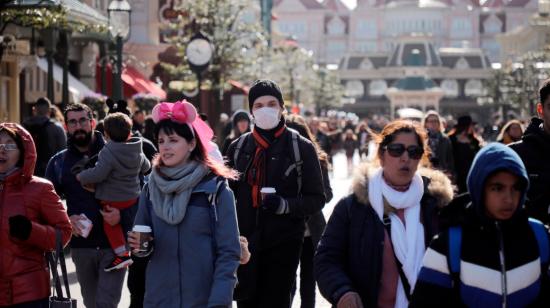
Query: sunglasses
(397, 149)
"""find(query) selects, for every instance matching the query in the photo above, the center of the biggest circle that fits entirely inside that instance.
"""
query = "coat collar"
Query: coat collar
(438, 184)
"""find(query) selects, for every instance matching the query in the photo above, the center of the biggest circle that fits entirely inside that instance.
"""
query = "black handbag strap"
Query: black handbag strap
(58, 257)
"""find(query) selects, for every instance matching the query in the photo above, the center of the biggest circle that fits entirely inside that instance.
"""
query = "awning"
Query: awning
(133, 78)
(239, 86)
(77, 89)
(133, 83)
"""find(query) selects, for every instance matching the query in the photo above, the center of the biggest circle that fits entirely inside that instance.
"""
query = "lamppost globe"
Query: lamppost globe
(119, 18)
(119, 26)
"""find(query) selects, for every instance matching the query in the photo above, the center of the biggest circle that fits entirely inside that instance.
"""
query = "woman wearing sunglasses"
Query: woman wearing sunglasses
(30, 213)
(372, 248)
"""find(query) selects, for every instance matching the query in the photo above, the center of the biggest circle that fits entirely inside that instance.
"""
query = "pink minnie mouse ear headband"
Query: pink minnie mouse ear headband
(184, 113)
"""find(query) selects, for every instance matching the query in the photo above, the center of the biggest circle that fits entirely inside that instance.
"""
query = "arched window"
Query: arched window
(473, 87)
(336, 26)
(354, 88)
(378, 87)
(492, 24)
(450, 87)
(462, 64)
(366, 64)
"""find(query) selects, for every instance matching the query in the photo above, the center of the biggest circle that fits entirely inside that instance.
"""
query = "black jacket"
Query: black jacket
(316, 223)
(349, 255)
(481, 241)
(274, 228)
(534, 150)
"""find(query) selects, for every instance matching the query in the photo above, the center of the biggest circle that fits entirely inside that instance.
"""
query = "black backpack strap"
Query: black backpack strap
(238, 148)
(297, 158)
(404, 280)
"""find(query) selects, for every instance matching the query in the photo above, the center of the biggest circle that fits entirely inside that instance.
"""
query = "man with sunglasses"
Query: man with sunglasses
(90, 252)
(534, 150)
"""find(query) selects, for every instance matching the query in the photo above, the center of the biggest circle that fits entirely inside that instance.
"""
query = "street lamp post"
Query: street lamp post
(119, 26)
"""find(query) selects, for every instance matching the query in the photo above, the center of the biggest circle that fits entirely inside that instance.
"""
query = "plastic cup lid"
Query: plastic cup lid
(268, 190)
(142, 228)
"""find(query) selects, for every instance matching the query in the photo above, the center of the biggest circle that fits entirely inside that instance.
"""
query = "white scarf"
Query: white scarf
(408, 243)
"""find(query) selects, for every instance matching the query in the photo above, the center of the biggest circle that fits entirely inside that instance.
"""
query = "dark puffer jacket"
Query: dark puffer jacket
(491, 251)
(349, 255)
(534, 150)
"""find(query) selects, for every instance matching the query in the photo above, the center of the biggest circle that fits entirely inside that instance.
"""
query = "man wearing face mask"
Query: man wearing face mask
(273, 223)
(90, 250)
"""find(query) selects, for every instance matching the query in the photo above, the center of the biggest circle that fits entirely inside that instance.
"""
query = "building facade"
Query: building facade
(416, 74)
(24, 66)
(331, 30)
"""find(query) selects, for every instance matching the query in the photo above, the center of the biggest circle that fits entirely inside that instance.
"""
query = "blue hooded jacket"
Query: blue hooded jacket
(499, 260)
(492, 158)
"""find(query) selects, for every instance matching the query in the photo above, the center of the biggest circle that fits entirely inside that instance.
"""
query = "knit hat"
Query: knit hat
(263, 87)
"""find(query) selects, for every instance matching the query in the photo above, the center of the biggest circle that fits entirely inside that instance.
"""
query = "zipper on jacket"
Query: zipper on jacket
(502, 266)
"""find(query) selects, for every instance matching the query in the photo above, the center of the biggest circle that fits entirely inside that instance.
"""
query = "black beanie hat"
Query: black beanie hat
(263, 87)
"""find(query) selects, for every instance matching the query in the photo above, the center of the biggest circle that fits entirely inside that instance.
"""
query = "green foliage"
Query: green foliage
(237, 42)
(301, 80)
(43, 18)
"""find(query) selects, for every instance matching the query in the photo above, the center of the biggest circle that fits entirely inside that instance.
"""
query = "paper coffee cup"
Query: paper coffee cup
(267, 190)
(144, 237)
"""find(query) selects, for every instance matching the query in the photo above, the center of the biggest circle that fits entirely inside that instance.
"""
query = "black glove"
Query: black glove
(80, 165)
(275, 204)
(20, 227)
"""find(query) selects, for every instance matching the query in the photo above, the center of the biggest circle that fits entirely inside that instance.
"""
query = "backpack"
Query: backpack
(455, 245)
(298, 162)
(39, 133)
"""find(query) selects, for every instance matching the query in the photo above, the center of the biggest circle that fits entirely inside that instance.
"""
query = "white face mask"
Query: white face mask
(266, 117)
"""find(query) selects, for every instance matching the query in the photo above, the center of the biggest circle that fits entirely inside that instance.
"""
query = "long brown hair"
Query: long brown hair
(199, 154)
(392, 129)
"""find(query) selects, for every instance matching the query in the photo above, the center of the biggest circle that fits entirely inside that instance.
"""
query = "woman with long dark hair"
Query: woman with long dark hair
(191, 212)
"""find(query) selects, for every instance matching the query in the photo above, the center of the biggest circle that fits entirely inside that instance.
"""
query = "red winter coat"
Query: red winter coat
(24, 273)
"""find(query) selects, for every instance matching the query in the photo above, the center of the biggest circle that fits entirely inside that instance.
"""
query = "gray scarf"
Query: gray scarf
(170, 192)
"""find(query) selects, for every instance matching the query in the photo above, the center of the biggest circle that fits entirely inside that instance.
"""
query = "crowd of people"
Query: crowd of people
(437, 216)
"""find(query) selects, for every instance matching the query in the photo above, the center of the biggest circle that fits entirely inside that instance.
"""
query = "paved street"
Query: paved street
(340, 182)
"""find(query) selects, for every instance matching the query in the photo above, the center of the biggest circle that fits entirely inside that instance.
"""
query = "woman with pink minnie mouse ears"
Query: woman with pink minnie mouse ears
(191, 212)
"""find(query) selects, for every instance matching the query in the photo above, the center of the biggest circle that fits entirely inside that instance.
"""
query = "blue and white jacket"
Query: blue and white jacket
(500, 264)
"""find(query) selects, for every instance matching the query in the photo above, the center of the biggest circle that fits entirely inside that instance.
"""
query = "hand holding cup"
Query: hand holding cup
(140, 240)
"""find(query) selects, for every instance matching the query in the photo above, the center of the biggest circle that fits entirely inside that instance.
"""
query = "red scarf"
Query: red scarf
(256, 173)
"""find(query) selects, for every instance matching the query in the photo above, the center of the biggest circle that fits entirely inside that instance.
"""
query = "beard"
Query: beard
(80, 138)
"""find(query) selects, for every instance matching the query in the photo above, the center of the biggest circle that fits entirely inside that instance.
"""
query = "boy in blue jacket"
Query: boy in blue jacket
(492, 254)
